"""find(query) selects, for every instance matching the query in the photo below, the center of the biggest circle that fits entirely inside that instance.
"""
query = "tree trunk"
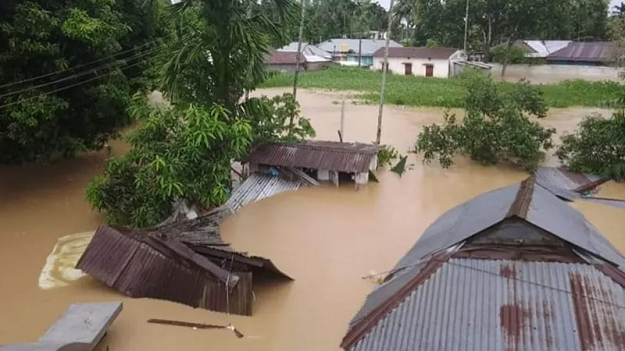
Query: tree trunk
(506, 58)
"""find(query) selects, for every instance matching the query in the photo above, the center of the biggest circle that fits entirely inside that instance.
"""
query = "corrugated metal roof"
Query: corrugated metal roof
(326, 155)
(369, 46)
(587, 52)
(542, 48)
(309, 50)
(501, 305)
(421, 52)
(284, 58)
(546, 211)
(260, 186)
(538, 207)
(164, 269)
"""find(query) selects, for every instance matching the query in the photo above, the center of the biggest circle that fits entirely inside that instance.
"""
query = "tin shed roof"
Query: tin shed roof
(418, 52)
(367, 46)
(409, 310)
(587, 52)
(327, 155)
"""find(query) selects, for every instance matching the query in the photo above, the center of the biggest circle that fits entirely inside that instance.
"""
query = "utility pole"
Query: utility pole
(299, 51)
(360, 50)
(466, 28)
(384, 69)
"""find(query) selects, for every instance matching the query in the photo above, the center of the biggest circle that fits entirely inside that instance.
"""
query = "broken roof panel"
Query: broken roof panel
(260, 186)
(326, 155)
(501, 305)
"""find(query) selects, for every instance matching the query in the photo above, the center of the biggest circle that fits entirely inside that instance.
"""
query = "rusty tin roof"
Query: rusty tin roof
(413, 308)
(326, 155)
(587, 52)
(418, 52)
(498, 305)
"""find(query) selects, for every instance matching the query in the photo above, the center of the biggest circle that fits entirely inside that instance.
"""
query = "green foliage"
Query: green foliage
(596, 147)
(495, 129)
(276, 120)
(439, 92)
(65, 113)
(219, 49)
(386, 155)
(179, 153)
(499, 52)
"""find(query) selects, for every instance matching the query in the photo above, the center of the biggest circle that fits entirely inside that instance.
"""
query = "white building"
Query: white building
(423, 62)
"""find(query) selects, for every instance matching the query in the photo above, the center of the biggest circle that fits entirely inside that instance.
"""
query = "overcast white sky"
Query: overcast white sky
(385, 3)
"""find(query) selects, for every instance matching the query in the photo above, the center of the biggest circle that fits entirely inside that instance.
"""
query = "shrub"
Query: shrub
(596, 147)
(495, 127)
(386, 155)
(516, 55)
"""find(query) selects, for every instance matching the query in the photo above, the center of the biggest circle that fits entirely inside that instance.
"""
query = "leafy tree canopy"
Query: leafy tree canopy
(48, 108)
(495, 129)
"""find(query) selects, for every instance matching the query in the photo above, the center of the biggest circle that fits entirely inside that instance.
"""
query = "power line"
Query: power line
(78, 66)
(93, 70)
(545, 286)
(69, 86)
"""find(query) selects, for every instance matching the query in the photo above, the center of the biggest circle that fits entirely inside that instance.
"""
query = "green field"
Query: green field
(436, 92)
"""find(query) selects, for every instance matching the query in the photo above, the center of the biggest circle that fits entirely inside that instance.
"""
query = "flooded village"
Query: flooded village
(326, 238)
(353, 175)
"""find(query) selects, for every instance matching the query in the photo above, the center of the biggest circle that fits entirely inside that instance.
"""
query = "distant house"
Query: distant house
(512, 269)
(351, 49)
(540, 49)
(419, 61)
(586, 54)
(311, 59)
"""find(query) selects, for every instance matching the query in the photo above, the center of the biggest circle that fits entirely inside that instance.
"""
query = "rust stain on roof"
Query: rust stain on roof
(513, 319)
(507, 271)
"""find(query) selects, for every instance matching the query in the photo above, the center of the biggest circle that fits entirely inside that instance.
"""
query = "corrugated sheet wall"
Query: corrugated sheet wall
(257, 187)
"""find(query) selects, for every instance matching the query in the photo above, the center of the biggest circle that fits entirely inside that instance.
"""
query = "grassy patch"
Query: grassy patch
(437, 92)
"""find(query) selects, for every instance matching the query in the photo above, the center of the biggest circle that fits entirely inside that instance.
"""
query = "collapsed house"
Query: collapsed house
(572, 186)
(183, 262)
(512, 269)
(322, 160)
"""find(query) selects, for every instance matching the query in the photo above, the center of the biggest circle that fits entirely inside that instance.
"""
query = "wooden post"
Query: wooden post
(360, 51)
(384, 69)
(342, 120)
(299, 51)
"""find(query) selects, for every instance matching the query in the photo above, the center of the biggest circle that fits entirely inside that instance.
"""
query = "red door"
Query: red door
(408, 69)
(429, 70)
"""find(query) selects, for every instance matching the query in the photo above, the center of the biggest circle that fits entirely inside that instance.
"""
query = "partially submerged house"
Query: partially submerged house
(355, 50)
(182, 262)
(587, 54)
(540, 49)
(419, 61)
(323, 160)
(512, 269)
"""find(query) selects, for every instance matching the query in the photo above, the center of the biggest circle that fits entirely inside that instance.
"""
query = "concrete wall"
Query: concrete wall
(364, 61)
(556, 73)
(323, 175)
(361, 178)
(284, 68)
(396, 65)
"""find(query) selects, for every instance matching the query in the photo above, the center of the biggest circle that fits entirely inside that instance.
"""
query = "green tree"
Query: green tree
(179, 153)
(69, 110)
(185, 152)
(597, 146)
(495, 128)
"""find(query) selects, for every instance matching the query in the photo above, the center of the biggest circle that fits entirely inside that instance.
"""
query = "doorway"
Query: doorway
(429, 70)
(408, 69)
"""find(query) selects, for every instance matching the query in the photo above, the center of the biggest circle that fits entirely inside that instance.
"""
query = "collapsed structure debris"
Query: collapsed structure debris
(184, 262)
(572, 186)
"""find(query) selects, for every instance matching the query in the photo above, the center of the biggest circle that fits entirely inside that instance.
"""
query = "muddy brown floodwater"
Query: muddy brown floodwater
(326, 238)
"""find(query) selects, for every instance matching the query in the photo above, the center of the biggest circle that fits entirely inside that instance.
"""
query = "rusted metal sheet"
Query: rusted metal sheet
(161, 268)
(500, 305)
(325, 155)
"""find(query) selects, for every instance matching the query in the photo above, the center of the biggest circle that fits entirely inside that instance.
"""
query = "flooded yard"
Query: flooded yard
(327, 239)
